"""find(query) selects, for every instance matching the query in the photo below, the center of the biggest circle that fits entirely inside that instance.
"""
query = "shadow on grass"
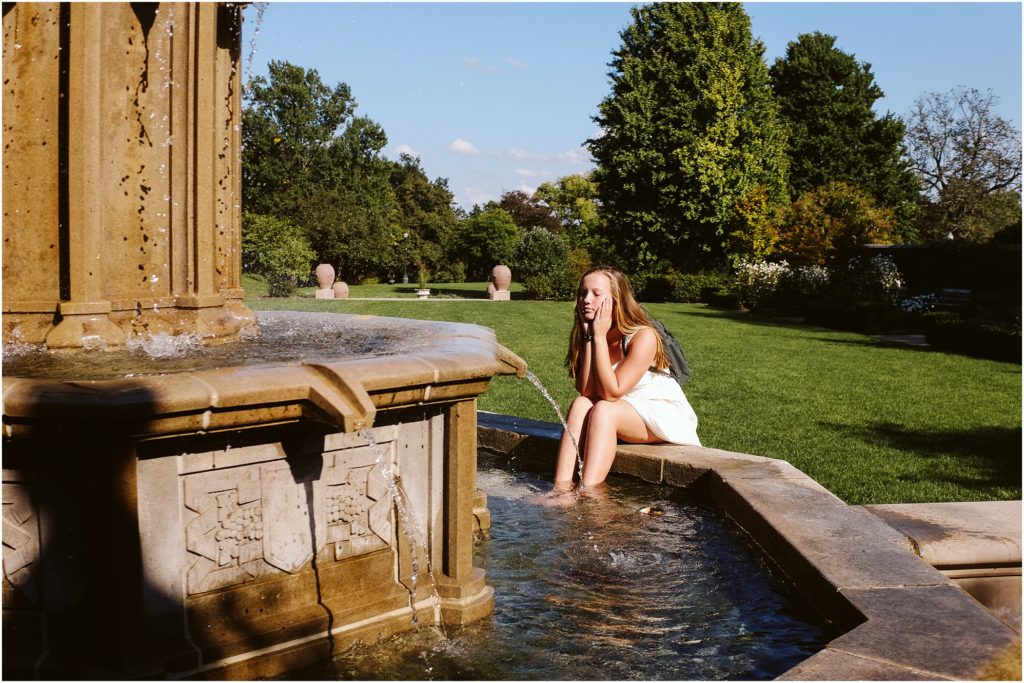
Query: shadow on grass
(459, 293)
(745, 316)
(991, 453)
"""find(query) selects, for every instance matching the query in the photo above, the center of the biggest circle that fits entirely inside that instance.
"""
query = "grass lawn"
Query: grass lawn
(871, 422)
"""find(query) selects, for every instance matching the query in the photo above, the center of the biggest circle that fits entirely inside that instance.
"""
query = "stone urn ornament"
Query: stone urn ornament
(501, 278)
(324, 280)
(340, 290)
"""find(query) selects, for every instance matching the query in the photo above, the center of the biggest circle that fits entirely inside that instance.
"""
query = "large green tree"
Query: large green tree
(689, 133)
(307, 158)
(826, 98)
(573, 201)
(290, 121)
(486, 238)
(427, 218)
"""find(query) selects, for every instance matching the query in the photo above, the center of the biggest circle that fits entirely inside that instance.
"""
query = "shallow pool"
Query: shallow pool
(597, 590)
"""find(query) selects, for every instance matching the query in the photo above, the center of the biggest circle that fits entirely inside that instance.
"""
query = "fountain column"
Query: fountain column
(465, 597)
(121, 173)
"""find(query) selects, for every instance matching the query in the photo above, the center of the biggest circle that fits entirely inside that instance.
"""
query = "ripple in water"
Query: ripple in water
(284, 337)
(598, 591)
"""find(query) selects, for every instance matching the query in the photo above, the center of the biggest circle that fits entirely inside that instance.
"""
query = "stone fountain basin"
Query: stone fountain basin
(242, 518)
(898, 617)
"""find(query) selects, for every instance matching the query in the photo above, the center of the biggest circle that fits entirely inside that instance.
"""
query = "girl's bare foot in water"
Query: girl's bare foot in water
(563, 494)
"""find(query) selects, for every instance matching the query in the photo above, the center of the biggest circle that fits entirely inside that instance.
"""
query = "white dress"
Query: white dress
(661, 404)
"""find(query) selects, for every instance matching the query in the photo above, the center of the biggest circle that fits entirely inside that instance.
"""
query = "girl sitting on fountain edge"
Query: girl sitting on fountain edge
(621, 373)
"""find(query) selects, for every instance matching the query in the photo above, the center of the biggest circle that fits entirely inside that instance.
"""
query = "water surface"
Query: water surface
(601, 591)
(284, 337)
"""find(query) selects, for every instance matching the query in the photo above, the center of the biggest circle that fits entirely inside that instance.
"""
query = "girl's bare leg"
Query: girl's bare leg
(608, 422)
(576, 420)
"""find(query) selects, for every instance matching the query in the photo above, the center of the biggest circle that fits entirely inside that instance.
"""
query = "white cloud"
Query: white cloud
(533, 173)
(577, 156)
(460, 146)
(406, 149)
(521, 154)
(475, 64)
(515, 63)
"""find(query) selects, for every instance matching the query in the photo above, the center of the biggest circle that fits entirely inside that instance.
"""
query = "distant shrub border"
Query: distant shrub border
(946, 331)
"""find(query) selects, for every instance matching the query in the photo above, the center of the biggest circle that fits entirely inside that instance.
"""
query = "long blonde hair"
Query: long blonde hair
(628, 317)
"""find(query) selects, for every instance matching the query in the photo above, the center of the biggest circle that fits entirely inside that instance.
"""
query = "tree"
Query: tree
(689, 132)
(527, 212)
(308, 159)
(573, 201)
(353, 218)
(277, 250)
(826, 98)
(426, 215)
(828, 224)
(288, 126)
(543, 264)
(963, 152)
(486, 238)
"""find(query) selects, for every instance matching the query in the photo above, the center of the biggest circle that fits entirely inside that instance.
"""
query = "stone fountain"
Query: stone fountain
(230, 521)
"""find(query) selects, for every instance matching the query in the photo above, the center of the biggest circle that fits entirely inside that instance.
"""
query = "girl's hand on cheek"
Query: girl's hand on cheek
(603, 317)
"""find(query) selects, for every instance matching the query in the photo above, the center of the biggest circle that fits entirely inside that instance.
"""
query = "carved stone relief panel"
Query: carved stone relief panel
(20, 540)
(267, 518)
(358, 502)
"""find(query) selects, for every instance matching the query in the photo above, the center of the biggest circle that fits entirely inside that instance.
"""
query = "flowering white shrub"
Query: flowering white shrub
(875, 279)
(800, 287)
(780, 288)
(757, 282)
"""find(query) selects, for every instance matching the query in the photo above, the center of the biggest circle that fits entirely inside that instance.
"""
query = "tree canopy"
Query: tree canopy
(826, 97)
(689, 131)
(573, 201)
(486, 238)
(427, 215)
(527, 211)
(309, 159)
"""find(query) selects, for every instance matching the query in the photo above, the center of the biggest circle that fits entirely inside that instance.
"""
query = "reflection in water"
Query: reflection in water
(600, 591)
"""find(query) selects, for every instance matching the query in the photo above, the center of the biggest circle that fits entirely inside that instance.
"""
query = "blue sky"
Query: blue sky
(499, 96)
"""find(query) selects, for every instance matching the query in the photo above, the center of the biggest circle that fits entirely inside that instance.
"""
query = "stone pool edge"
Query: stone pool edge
(899, 617)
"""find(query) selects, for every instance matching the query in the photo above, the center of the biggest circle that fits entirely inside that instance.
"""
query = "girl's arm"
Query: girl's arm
(583, 373)
(612, 385)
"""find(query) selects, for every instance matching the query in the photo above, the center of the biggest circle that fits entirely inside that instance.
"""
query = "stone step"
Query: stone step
(959, 535)
(976, 545)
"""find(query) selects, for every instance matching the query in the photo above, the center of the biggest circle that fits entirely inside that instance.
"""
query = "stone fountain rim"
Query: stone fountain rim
(457, 362)
(898, 617)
